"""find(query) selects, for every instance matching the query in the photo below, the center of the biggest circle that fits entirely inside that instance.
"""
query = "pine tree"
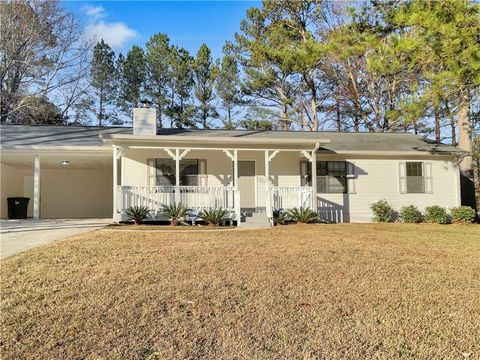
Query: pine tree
(204, 75)
(158, 72)
(132, 79)
(103, 78)
(228, 88)
(180, 109)
(268, 81)
(441, 41)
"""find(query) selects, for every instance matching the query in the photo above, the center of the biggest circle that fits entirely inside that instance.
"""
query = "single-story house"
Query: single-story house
(78, 172)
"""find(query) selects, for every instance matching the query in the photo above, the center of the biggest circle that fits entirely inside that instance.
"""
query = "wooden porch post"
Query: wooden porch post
(235, 168)
(177, 176)
(267, 185)
(268, 157)
(115, 184)
(314, 180)
(36, 188)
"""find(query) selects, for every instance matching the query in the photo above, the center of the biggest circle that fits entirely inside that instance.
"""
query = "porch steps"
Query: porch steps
(255, 220)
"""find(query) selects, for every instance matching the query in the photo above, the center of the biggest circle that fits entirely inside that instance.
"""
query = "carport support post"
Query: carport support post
(267, 184)
(115, 183)
(36, 188)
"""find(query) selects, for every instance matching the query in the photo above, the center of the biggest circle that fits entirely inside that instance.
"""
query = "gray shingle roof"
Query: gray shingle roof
(18, 135)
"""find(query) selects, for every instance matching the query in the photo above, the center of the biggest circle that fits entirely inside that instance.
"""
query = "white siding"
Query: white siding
(379, 178)
(375, 178)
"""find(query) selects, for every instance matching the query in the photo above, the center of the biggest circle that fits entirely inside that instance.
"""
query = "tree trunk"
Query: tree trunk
(100, 110)
(437, 124)
(338, 116)
(464, 134)
(476, 173)
(356, 123)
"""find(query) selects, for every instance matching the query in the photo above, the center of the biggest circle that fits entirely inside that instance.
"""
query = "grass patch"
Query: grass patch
(333, 291)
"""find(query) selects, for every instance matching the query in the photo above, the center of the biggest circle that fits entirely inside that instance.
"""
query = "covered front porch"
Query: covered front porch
(242, 178)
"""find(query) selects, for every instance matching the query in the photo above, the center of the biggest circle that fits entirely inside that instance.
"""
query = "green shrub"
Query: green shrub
(137, 213)
(176, 213)
(462, 214)
(382, 211)
(436, 214)
(302, 215)
(410, 214)
(280, 217)
(214, 217)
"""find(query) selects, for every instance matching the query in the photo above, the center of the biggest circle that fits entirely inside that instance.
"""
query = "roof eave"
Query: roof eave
(217, 140)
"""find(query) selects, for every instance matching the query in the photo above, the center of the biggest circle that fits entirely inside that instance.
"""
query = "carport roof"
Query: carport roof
(19, 136)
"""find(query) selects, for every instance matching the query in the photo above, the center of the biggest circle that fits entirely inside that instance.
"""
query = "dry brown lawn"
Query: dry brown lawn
(294, 292)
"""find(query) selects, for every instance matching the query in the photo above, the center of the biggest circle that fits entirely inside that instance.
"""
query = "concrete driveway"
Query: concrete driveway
(20, 235)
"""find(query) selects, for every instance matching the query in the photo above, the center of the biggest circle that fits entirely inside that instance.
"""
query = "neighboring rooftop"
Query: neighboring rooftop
(21, 135)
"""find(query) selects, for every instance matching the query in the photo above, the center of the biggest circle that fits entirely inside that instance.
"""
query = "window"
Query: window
(415, 178)
(331, 176)
(165, 172)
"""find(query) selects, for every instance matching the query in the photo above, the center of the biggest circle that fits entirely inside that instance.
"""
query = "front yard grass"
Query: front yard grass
(352, 291)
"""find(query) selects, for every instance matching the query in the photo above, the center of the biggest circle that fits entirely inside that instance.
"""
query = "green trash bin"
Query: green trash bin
(17, 207)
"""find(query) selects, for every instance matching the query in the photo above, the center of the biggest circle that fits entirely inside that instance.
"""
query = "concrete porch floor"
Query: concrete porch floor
(20, 235)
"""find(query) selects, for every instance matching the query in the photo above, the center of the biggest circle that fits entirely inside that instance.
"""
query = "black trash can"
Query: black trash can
(17, 207)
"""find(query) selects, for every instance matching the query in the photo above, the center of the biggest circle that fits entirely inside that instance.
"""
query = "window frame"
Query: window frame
(306, 179)
(422, 176)
(173, 176)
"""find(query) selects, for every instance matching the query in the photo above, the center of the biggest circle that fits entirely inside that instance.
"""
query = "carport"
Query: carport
(66, 171)
(60, 184)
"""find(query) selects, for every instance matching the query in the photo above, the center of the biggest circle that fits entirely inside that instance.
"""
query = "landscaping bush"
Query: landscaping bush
(280, 217)
(302, 215)
(410, 214)
(436, 214)
(214, 217)
(462, 214)
(176, 213)
(137, 213)
(382, 211)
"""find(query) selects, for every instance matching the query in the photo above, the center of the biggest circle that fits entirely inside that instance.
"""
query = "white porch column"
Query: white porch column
(235, 168)
(268, 157)
(314, 180)
(115, 184)
(267, 185)
(177, 176)
(36, 188)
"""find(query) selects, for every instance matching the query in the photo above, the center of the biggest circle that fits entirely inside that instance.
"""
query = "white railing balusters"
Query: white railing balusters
(287, 197)
(211, 197)
(194, 197)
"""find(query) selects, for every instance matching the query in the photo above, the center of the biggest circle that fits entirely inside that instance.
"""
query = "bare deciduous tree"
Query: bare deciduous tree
(42, 54)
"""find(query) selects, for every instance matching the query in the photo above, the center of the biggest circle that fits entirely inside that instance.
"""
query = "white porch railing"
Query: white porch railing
(287, 197)
(194, 197)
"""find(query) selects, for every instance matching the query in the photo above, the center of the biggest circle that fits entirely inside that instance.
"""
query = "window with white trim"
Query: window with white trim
(165, 172)
(415, 178)
(331, 176)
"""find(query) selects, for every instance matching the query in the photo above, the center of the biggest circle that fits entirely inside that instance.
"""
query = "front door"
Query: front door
(246, 184)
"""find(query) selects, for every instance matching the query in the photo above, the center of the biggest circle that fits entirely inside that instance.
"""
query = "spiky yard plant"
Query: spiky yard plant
(213, 217)
(302, 215)
(176, 213)
(137, 213)
(280, 217)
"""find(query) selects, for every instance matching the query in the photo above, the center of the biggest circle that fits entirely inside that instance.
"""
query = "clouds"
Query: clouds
(116, 34)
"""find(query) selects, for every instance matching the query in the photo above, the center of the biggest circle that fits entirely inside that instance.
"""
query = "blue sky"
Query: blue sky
(188, 23)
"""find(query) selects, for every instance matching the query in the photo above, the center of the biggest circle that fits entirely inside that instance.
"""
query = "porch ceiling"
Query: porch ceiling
(54, 161)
